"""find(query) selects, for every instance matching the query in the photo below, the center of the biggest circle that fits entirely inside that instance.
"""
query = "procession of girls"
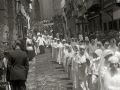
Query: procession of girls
(90, 65)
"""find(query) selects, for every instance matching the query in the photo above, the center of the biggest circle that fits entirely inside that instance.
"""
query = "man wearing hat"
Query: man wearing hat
(18, 67)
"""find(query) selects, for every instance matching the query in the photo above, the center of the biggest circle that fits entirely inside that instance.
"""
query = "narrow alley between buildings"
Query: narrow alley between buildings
(46, 74)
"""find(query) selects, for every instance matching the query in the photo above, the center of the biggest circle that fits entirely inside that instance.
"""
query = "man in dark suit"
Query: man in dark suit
(23, 44)
(18, 68)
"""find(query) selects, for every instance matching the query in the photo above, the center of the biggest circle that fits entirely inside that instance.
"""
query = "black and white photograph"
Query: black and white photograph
(59, 44)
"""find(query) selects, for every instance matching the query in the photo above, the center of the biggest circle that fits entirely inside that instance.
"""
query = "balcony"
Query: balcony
(110, 5)
(107, 3)
(93, 5)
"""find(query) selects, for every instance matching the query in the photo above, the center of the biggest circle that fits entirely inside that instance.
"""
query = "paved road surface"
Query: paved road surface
(46, 74)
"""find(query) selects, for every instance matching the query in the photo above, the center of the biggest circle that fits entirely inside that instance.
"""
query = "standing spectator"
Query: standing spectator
(29, 46)
(35, 44)
(113, 46)
(18, 67)
(58, 35)
(19, 38)
(23, 44)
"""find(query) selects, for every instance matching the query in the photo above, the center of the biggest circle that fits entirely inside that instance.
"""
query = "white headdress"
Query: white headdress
(38, 33)
(113, 59)
(98, 52)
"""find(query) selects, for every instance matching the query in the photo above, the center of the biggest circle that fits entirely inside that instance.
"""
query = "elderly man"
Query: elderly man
(18, 68)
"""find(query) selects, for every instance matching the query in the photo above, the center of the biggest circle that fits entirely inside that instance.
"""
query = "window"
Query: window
(110, 25)
(115, 25)
(119, 25)
(86, 29)
(105, 27)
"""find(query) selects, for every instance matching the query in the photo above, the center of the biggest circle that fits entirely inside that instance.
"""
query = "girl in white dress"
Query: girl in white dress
(113, 46)
(92, 47)
(112, 76)
(62, 51)
(87, 44)
(83, 55)
(52, 43)
(117, 53)
(95, 66)
(75, 68)
(57, 49)
(54, 48)
(65, 51)
(76, 50)
(106, 45)
(99, 45)
(69, 60)
(104, 65)
(59, 58)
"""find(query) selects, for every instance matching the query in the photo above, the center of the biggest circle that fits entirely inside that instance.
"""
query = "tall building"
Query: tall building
(45, 9)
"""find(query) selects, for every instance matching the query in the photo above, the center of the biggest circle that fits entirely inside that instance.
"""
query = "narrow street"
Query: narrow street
(46, 74)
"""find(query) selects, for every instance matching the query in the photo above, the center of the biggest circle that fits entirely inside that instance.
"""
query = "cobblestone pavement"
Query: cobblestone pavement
(46, 74)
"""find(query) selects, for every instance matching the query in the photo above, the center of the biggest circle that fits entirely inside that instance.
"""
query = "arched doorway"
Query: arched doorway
(37, 10)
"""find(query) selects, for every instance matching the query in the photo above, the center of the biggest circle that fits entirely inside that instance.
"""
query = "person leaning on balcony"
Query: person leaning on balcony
(18, 67)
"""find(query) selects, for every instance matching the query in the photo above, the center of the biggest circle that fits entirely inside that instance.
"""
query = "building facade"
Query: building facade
(45, 9)
(92, 16)
(14, 16)
(110, 9)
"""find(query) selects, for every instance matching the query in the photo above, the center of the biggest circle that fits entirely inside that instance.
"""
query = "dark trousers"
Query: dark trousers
(42, 49)
(30, 55)
(18, 85)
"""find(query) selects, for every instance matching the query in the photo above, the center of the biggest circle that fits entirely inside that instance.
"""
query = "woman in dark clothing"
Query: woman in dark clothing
(29, 48)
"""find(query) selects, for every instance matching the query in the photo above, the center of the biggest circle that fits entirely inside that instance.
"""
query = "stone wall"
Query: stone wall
(11, 26)
(57, 7)
(11, 20)
(48, 10)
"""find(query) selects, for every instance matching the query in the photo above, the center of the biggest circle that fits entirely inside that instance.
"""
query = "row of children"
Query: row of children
(90, 65)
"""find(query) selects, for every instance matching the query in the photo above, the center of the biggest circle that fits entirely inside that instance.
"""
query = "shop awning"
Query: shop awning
(110, 6)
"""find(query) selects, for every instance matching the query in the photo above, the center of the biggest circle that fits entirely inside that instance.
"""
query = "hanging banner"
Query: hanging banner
(23, 10)
(26, 15)
(62, 3)
(28, 19)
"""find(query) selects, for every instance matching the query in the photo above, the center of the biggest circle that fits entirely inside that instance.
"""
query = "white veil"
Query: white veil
(103, 68)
